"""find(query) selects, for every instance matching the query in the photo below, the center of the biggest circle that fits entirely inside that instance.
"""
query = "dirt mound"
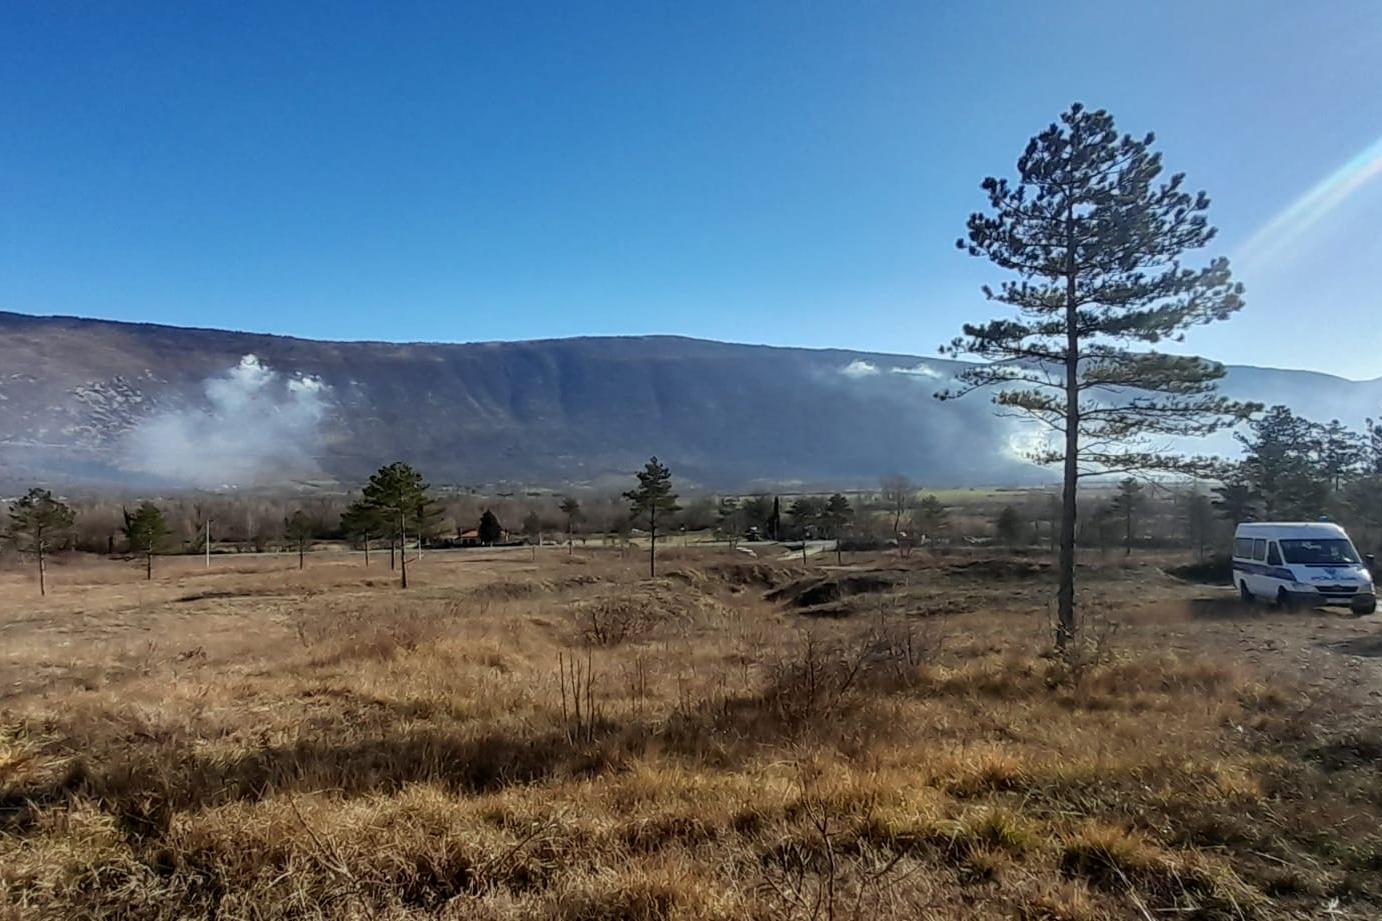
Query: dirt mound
(687, 576)
(748, 574)
(814, 591)
(629, 613)
(997, 568)
(1216, 571)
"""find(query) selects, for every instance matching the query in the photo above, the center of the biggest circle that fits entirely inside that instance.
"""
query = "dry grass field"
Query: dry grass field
(562, 738)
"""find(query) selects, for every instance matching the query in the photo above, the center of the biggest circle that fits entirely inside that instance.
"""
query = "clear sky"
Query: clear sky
(792, 173)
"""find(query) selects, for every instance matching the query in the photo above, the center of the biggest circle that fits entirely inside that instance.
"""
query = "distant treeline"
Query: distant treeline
(1291, 468)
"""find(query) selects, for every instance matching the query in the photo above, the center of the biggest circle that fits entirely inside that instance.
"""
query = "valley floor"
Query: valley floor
(563, 738)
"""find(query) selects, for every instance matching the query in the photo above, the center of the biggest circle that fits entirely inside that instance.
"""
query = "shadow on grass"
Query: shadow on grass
(1223, 607)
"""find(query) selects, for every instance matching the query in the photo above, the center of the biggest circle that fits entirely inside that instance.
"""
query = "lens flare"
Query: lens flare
(1274, 239)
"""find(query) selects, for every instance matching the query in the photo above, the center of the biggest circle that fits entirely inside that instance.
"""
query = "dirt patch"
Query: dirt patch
(1356, 750)
(228, 593)
(1226, 607)
(1218, 571)
(1369, 646)
(1006, 569)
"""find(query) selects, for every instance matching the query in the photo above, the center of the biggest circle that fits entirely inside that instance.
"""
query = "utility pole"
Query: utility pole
(207, 541)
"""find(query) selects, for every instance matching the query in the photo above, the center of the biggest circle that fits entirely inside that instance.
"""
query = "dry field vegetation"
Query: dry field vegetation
(565, 739)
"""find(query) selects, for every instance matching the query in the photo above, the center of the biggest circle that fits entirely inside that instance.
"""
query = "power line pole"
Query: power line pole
(207, 542)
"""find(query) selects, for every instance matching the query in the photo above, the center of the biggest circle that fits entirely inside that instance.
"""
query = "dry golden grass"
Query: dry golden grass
(562, 739)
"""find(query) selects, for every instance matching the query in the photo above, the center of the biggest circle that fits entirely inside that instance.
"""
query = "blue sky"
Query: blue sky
(788, 173)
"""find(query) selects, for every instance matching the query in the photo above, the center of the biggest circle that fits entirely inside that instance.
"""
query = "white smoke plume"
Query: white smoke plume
(256, 426)
(919, 370)
(859, 368)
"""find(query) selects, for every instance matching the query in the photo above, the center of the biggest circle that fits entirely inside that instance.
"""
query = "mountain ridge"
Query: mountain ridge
(111, 402)
(8, 315)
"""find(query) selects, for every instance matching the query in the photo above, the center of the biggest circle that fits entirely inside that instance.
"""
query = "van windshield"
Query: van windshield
(1319, 552)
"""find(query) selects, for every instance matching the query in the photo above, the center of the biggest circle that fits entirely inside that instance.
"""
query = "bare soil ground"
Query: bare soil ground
(562, 738)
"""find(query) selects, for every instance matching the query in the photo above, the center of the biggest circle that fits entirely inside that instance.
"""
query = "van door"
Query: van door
(1274, 581)
(1258, 583)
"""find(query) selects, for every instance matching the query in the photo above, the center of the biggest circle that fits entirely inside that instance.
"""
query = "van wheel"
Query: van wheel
(1284, 600)
(1244, 595)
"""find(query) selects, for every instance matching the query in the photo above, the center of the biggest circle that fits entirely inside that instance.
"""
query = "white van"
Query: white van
(1309, 563)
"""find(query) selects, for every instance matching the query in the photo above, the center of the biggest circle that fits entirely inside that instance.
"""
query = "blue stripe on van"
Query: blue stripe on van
(1262, 569)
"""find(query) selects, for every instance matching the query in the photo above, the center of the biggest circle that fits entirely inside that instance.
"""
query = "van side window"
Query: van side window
(1259, 550)
(1242, 548)
(1273, 555)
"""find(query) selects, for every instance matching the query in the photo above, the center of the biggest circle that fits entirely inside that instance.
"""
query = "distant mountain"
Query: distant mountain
(104, 403)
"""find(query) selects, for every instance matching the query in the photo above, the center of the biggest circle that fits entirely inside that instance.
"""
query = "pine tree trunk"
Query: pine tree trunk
(302, 564)
(149, 564)
(403, 551)
(652, 548)
(1065, 595)
(366, 549)
(1127, 533)
(42, 576)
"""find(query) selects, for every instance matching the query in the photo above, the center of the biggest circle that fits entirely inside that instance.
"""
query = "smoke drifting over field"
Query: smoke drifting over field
(256, 425)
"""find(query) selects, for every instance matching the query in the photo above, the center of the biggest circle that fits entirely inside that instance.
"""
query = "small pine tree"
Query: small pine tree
(806, 513)
(571, 508)
(489, 530)
(1009, 526)
(1372, 448)
(1127, 503)
(1104, 518)
(931, 517)
(300, 529)
(399, 494)
(1281, 466)
(1234, 499)
(652, 502)
(363, 522)
(146, 530)
(729, 520)
(838, 514)
(37, 521)
(532, 527)
(1199, 522)
(1342, 452)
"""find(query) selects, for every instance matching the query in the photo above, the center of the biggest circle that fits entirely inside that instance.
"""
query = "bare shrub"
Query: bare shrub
(824, 677)
(630, 614)
(350, 635)
(579, 712)
(611, 621)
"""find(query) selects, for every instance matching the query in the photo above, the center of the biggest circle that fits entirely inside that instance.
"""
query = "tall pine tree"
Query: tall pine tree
(1095, 237)
(397, 492)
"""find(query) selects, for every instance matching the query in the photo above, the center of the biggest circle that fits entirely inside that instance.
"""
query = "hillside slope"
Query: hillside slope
(109, 403)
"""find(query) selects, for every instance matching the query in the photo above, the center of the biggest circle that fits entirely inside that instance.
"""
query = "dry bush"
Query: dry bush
(379, 634)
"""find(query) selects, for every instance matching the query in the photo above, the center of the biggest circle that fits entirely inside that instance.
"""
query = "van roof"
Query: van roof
(1287, 527)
